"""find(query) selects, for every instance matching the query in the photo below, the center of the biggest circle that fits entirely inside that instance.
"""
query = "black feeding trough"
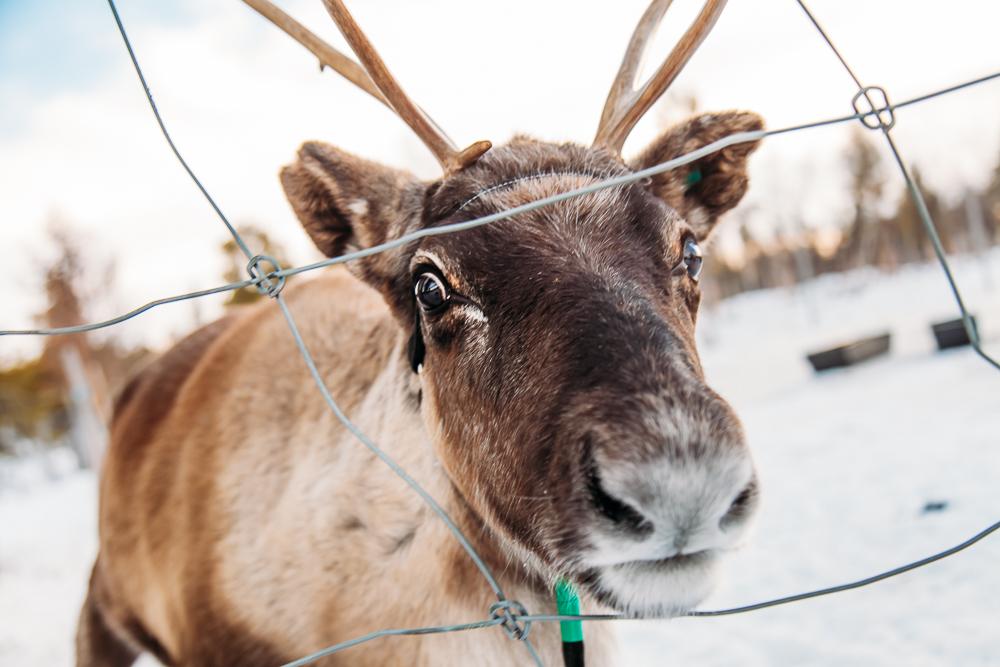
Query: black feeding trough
(952, 333)
(850, 354)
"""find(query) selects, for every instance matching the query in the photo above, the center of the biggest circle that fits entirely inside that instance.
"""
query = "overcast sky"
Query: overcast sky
(78, 141)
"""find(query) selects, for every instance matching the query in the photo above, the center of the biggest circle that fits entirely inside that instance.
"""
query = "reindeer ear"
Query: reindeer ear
(703, 190)
(346, 203)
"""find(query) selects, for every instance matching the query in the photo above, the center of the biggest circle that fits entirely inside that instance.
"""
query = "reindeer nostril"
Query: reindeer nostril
(617, 511)
(742, 507)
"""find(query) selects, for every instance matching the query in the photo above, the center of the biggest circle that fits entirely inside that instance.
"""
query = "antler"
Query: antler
(373, 77)
(328, 56)
(626, 104)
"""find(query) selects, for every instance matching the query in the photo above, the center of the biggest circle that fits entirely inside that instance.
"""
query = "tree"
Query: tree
(65, 392)
(236, 262)
(913, 237)
(866, 185)
(70, 358)
(991, 204)
(32, 405)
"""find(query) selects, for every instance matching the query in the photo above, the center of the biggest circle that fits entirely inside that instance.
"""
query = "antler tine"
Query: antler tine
(450, 158)
(382, 86)
(624, 83)
(626, 104)
(327, 55)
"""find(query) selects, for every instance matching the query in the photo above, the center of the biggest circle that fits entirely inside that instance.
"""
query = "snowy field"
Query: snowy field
(848, 462)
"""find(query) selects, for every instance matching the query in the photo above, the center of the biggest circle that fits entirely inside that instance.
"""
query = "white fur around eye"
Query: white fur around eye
(473, 312)
(697, 217)
(358, 207)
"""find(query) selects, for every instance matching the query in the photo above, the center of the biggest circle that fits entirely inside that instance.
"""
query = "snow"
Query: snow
(48, 538)
(848, 461)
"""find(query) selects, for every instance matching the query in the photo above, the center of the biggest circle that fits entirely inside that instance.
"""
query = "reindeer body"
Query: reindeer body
(267, 531)
(242, 524)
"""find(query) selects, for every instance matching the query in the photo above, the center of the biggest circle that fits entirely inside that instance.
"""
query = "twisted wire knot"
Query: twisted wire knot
(265, 281)
(878, 114)
(509, 611)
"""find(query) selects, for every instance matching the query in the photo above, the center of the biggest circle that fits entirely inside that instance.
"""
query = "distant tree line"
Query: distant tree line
(868, 238)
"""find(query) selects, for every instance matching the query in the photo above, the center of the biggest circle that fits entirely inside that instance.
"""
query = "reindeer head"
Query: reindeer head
(555, 350)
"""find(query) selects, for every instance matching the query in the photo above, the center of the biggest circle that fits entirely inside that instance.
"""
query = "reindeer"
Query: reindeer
(538, 377)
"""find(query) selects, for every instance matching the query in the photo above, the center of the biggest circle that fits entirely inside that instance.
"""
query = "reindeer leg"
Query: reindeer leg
(97, 643)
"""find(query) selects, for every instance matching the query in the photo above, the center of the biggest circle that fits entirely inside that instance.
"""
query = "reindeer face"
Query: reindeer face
(559, 378)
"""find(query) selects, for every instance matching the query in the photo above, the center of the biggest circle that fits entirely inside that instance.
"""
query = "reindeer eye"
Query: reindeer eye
(430, 292)
(692, 258)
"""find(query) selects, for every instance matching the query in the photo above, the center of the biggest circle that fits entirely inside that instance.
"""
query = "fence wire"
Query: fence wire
(885, 124)
(510, 615)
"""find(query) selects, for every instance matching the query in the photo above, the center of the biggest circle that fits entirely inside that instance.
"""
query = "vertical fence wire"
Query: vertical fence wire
(911, 185)
(267, 283)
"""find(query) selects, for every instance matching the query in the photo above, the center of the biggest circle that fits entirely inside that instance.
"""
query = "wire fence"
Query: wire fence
(871, 107)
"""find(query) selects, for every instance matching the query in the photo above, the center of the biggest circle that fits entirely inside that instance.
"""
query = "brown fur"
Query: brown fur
(241, 524)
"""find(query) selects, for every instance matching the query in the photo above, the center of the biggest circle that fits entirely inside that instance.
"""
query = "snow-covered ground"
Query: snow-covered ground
(848, 461)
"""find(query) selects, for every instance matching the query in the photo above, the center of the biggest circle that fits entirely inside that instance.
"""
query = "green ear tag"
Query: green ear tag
(568, 604)
(693, 177)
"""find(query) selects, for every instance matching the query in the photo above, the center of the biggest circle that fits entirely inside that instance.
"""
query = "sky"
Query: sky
(79, 144)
